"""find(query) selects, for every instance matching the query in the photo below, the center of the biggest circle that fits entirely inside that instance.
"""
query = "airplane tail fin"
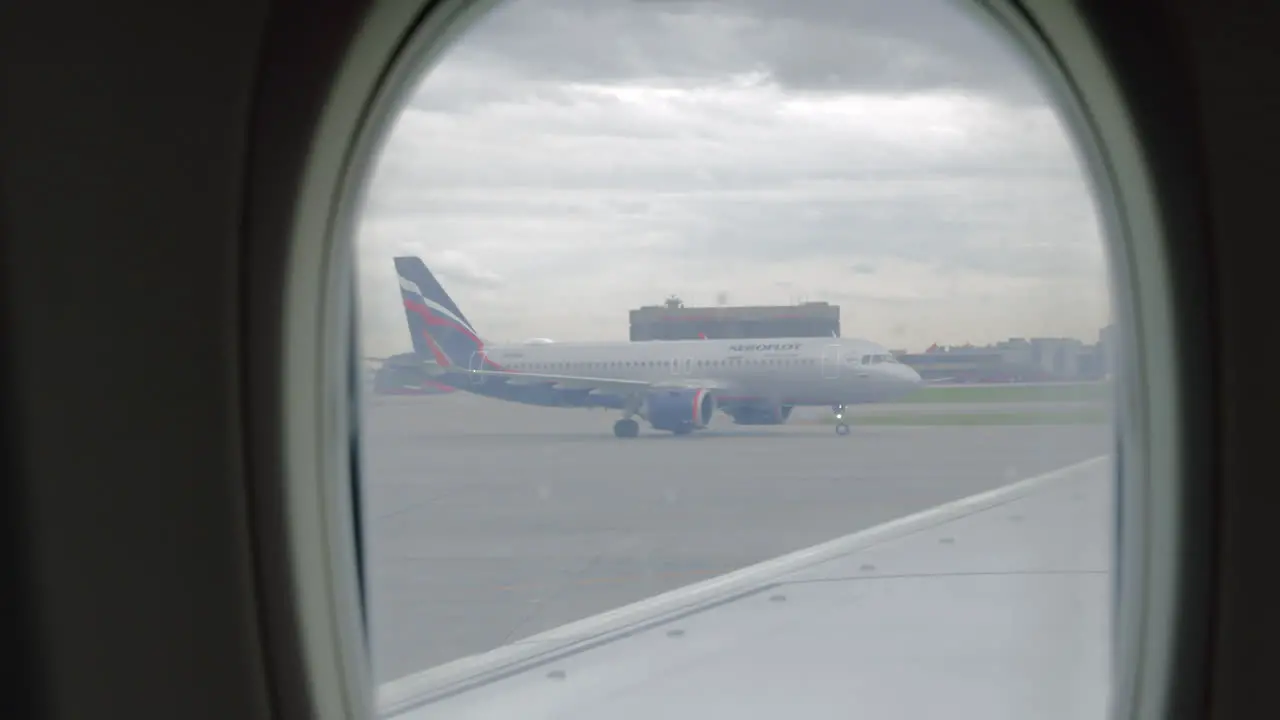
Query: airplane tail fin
(437, 326)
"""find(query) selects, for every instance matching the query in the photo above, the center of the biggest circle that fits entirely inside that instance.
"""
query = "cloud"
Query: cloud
(570, 160)
(851, 46)
(464, 269)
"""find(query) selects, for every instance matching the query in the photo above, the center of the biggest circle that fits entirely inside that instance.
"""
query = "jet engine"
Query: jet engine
(760, 414)
(679, 410)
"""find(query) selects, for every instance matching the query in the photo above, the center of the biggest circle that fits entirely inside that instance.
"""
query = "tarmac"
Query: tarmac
(488, 522)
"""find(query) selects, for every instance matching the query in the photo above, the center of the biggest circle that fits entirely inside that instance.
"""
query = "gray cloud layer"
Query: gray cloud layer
(890, 46)
(569, 159)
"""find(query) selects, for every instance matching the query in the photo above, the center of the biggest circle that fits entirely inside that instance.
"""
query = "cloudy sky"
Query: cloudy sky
(569, 160)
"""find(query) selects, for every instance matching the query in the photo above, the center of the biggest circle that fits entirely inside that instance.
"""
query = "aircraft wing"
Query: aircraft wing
(996, 607)
(603, 385)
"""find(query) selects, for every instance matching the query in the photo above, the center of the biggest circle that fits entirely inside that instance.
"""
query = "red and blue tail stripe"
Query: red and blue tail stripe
(436, 324)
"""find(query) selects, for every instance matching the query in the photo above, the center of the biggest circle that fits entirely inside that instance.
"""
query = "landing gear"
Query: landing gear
(626, 428)
(842, 428)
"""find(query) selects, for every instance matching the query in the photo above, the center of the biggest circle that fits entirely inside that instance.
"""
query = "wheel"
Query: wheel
(842, 429)
(626, 428)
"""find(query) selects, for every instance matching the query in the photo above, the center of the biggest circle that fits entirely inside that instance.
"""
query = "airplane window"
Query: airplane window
(877, 203)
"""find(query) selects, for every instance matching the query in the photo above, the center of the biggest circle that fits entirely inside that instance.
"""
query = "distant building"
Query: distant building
(674, 321)
(1107, 349)
(970, 364)
(1059, 357)
(1014, 360)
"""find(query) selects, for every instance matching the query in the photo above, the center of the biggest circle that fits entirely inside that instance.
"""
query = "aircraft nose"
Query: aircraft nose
(912, 377)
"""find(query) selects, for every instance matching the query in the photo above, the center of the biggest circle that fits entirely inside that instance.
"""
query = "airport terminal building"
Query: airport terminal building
(674, 321)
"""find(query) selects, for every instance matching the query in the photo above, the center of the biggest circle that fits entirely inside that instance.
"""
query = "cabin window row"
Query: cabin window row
(730, 362)
(603, 365)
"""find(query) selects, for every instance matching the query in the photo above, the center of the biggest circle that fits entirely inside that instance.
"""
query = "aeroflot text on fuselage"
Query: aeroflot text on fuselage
(765, 347)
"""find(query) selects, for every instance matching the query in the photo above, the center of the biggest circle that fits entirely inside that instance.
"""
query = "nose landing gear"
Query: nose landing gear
(842, 428)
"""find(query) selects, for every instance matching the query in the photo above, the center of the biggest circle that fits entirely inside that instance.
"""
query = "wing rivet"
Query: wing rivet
(778, 598)
(556, 674)
(675, 633)
(867, 567)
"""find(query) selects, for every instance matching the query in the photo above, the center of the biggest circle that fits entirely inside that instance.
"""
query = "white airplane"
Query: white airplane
(674, 385)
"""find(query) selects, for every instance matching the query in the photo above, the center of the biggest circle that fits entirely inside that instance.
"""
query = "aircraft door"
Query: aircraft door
(681, 366)
(831, 362)
(477, 362)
